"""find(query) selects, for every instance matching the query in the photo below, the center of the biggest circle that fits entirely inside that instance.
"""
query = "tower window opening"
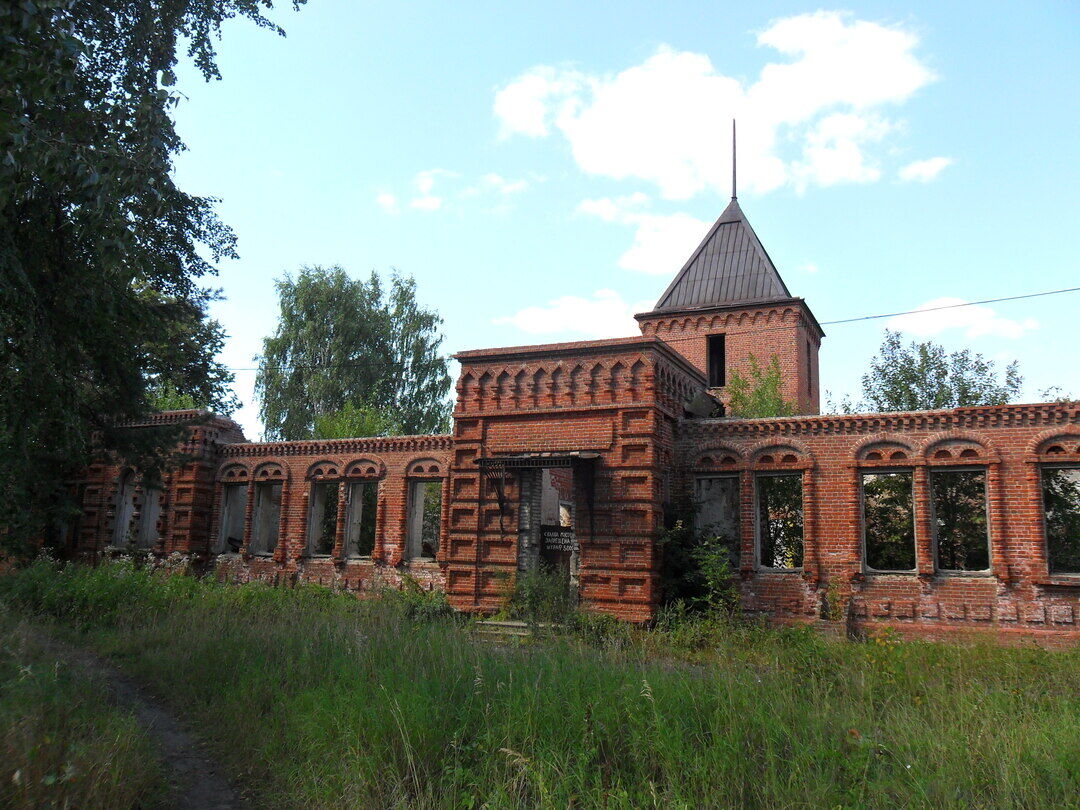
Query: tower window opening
(717, 372)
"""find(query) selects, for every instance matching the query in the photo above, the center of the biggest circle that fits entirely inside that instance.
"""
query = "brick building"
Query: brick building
(571, 454)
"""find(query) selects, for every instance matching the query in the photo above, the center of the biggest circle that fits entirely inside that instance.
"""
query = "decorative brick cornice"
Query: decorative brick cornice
(989, 416)
(574, 349)
(732, 316)
(332, 447)
(229, 431)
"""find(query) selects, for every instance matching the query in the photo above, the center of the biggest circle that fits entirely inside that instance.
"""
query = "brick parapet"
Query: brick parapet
(644, 449)
(1010, 442)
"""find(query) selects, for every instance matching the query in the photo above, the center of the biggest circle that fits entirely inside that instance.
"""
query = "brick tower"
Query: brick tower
(728, 302)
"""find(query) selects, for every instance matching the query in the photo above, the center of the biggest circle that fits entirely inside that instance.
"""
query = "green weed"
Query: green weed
(62, 743)
(317, 699)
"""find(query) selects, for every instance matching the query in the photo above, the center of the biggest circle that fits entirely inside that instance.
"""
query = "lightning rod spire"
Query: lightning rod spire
(734, 196)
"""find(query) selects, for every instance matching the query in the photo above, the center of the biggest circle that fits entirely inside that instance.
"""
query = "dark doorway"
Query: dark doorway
(547, 539)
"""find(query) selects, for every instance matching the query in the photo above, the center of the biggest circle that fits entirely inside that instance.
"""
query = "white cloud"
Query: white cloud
(496, 183)
(427, 199)
(925, 170)
(613, 210)
(425, 182)
(606, 314)
(834, 153)
(662, 242)
(813, 118)
(388, 202)
(427, 203)
(809, 267)
(977, 320)
(523, 106)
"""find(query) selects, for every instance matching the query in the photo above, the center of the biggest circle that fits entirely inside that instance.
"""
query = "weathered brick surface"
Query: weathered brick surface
(1017, 597)
(621, 401)
(617, 399)
(786, 330)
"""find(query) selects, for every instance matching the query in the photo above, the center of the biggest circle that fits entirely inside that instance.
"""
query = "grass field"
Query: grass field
(62, 743)
(319, 700)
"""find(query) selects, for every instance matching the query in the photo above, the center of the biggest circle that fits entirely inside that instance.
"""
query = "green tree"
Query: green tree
(355, 420)
(341, 340)
(759, 393)
(100, 251)
(923, 376)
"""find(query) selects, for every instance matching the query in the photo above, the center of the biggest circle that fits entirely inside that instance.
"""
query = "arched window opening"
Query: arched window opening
(780, 520)
(1061, 510)
(124, 509)
(233, 506)
(960, 527)
(149, 515)
(425, 518)
(361, 505)
(266, 517)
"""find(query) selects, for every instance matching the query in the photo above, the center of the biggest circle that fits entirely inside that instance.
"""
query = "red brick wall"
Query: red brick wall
(781, 330)
(191, 503)
(186, 494)
(617, 399)
(392, 462)
(1017, 597)
(622, 401)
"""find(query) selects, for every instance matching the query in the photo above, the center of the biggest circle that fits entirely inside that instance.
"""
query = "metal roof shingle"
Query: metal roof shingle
(730, 265)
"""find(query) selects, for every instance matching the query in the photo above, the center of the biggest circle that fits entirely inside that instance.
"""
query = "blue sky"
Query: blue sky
(543, 170)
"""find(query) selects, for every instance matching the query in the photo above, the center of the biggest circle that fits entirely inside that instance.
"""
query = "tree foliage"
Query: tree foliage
(100, 251)
(922, 376)
(759, 394)
(347, 343)
(355, 420)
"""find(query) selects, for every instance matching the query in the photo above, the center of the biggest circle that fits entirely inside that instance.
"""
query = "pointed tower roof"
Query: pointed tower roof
(730, 266)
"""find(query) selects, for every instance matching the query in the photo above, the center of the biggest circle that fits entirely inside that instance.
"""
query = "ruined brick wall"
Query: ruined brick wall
(190, 513)
(786, 330)
(390, 462)
(1017, 597)
(183, 501)
(616, 408)
(615, 399)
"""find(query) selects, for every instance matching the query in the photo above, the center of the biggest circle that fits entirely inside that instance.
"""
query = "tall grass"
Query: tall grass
(62, 743)
(319, 700)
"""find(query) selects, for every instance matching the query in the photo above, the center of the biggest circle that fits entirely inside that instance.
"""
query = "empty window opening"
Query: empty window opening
(809, 370)
(1061, 506)
(362, 501)
(149, 513)
(124, 509)
(322, 518)
(717, 514)
(233, 506)
(266, 517)
(717, 370)
(780, 521)
(961, 539)
(425, 518)
(889, 521)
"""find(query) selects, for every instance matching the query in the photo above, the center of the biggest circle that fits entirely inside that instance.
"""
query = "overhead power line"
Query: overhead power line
(768, 328)
(951, 306)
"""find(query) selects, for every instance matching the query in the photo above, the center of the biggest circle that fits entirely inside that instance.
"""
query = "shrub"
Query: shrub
(543, 596)
(416, 603)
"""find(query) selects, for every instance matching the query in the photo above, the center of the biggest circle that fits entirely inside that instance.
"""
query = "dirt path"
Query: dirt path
(195, 781)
